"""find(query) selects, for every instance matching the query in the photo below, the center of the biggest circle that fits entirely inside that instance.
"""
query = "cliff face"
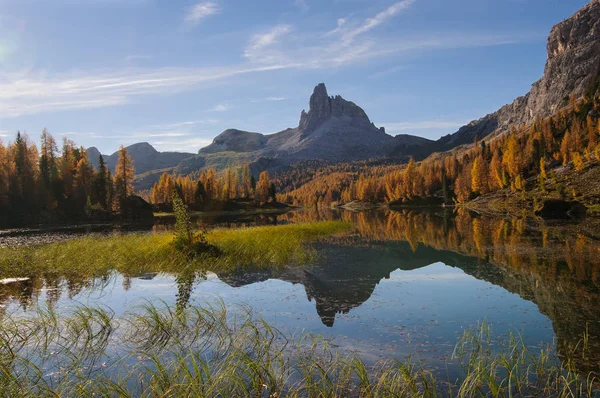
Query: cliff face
(573, 64)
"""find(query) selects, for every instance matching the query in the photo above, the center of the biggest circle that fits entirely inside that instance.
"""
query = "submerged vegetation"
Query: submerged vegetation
(270, 246)
(213, 351)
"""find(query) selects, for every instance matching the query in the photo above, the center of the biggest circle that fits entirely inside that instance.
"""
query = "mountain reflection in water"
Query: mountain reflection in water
(557, 267)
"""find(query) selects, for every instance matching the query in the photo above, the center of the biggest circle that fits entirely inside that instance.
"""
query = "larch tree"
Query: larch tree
(565, 148)
(263, 187)
(84, 174)
(246, 182)
(409, 178)
(124, 175)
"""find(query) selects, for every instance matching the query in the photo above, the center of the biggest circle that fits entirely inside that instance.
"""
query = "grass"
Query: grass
(130, 254)
(159, 351)
(594, 209)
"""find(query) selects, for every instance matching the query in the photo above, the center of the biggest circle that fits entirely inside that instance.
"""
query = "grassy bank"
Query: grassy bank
(270, 246)
(158, 351)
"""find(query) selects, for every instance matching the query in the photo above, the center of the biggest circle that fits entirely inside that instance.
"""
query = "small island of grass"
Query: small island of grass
(269, 246)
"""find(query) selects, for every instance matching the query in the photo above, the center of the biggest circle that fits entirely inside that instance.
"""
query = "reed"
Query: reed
(156, 350)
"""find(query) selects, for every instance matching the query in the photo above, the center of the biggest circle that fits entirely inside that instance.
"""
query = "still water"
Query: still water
(400, 283)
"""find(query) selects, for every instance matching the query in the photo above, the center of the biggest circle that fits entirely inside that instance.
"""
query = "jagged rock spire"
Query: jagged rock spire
(322, 107)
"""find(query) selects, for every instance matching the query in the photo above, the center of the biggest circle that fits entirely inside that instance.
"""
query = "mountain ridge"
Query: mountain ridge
(145, 158)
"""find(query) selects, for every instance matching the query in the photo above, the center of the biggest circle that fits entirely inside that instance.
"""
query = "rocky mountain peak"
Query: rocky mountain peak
(580, 29)
(322, 107)
(142, 148)
(573, 65)
(319, 109)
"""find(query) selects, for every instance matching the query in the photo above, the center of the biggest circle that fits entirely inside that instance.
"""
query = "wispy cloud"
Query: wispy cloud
(221, 108)
(165, 134)
(258, 100)
(37, 93)
(169, 126)
(387, 72)
(380, 18)
(200, 11)
(353, 41)
(341, 22)
(262, 41)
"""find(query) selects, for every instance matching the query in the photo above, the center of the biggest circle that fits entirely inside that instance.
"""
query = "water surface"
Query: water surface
(400, 283)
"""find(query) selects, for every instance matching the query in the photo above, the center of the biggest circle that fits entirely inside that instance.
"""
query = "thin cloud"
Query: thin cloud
(220, 108)
(378, 19)
(165, 134)
(37, 94)
(170, 126)
(200, 11)
(351, 42)
(263, 41)
(387, 72)
(341, 22)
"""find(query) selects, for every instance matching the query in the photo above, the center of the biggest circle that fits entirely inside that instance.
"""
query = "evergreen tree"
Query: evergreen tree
(100, 185)
(199, 195)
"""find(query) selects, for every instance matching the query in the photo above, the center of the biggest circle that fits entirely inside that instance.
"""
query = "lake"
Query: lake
(400, 283)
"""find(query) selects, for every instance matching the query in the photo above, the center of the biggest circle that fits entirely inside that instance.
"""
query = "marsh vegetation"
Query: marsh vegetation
(159, 350)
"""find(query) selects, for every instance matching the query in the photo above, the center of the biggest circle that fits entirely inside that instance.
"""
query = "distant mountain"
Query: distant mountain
(145, 158)
(333, 129)
(573, 63)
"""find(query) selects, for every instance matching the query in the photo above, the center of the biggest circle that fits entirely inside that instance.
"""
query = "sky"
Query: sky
(175, 73)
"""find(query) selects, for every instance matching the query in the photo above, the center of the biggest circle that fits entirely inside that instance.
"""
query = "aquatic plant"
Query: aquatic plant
(155, 350)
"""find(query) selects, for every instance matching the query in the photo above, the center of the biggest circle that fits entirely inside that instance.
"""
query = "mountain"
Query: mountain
(145, 158)
(573, 64)
(333, 129)
(337, 130)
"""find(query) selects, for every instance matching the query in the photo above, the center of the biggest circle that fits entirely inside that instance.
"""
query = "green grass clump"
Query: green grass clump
(132, 254)
(594, 209)
(159, 351)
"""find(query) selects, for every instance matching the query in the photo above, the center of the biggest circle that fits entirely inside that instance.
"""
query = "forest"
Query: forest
(52, 186)
(212, 191)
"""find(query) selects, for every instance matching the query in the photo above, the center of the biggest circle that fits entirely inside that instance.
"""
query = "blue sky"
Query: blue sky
(176, 73)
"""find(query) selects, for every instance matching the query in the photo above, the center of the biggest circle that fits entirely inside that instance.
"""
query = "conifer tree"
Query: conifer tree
(100, 185)
(124, 175)
(263, 187)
